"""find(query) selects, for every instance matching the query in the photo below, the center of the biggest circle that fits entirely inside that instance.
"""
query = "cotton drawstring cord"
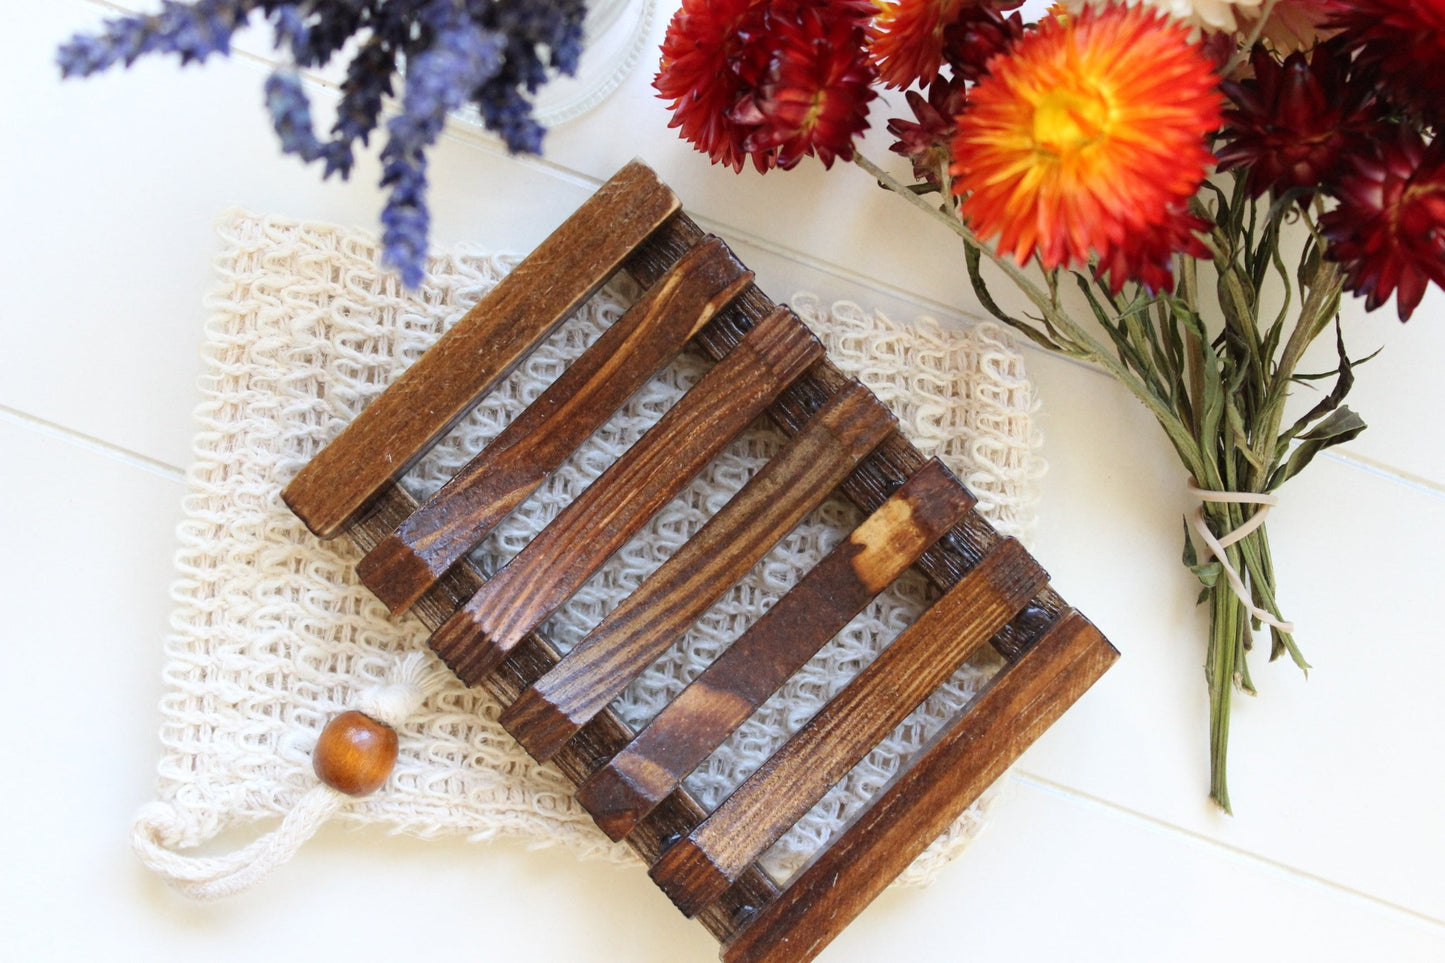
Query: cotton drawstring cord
(159, 830)
(1217, 545)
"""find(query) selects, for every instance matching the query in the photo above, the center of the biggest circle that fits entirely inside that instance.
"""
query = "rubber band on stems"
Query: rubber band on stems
(1217, 545)
(156, 835)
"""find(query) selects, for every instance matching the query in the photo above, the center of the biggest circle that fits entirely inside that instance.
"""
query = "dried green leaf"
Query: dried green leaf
(1341, 426)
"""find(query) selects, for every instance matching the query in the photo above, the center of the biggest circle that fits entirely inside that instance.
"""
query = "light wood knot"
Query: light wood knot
(355, 753)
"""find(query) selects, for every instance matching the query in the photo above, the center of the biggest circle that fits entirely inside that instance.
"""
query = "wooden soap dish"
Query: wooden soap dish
(841, 438)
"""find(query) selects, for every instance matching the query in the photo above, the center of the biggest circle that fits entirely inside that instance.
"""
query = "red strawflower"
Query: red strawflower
(1293, 123)
(707, 66)
(1147, 256)
(1404, 42)
(770, 81)
(908, 36)
(976, 36)
(1389, 227)
(926, 140)
(814, 98)
(1069, 149)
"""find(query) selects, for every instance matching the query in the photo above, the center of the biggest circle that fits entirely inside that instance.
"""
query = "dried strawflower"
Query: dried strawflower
(1296, 24)
(1403, 41)
(1068, 150)
(1229, 15)
(1079, 145)
(976, 36)
(813, 99)
(927, 139)
(1293, 123)
(909, 36)
(706, 69)
(1389, 228)
(770, 81)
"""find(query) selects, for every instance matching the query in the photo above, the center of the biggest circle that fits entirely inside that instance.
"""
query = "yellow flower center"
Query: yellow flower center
(814, 114)
(1068, 120)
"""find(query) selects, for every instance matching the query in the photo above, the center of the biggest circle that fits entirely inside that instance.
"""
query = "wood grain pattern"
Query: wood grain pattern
(434, 393)
(598, 741)
(651, 333)
(882, 472)
(699, 868)
(927, 796)
(645, 624)
(777, 645)
(614, 507)
(750, 917)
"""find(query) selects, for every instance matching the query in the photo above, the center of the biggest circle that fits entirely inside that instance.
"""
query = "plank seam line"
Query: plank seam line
(1090, 800)
(1370, 466)
(92, 444)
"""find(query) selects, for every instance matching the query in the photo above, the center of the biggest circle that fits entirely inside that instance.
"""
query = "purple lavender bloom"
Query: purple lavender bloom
(366, 87)
(506, 112)
(438, 81)
(555, 26)
(192, 31)
(493, 53)
(291, 32)
(291, 114)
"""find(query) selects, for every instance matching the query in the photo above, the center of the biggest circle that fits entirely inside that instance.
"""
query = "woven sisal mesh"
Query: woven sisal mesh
(273, 633)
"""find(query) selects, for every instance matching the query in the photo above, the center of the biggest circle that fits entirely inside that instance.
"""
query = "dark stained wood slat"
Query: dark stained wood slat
(598, 741)
(615, 506)
(751, 899)
(651, 333)
(927, 796)
(782, 640)
(633, 635)
(882, 472)
(699, 868)
(443, 384)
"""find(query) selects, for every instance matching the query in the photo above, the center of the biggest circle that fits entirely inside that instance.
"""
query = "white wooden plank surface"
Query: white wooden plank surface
(110, 187)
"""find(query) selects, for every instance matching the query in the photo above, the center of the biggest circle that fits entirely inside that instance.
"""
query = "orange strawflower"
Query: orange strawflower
(1088, 139)
(910, 36)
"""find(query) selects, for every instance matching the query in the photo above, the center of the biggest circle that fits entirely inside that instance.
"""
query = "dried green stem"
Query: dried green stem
(1219, 399)
(1081, 343)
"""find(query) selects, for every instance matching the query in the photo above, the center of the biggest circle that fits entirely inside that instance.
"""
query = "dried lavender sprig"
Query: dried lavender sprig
(365, 89)
(508, 114)
(291, 113)
(192, 31)
(529, 28)
(438, 81)
(286, 98)
(449, 65)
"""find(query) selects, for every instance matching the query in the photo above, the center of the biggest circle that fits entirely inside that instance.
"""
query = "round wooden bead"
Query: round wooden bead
(355, 753)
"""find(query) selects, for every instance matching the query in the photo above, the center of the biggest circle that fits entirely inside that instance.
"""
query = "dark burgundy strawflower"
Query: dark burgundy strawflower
(1293, 123)
(1219, 46)
(977, 36)
(1403, 42)
(768, 81)
(927, 140)
(1389, 228)
(813, 100)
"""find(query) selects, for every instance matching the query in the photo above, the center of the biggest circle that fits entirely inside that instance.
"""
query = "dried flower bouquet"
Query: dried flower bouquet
(1138, 172)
